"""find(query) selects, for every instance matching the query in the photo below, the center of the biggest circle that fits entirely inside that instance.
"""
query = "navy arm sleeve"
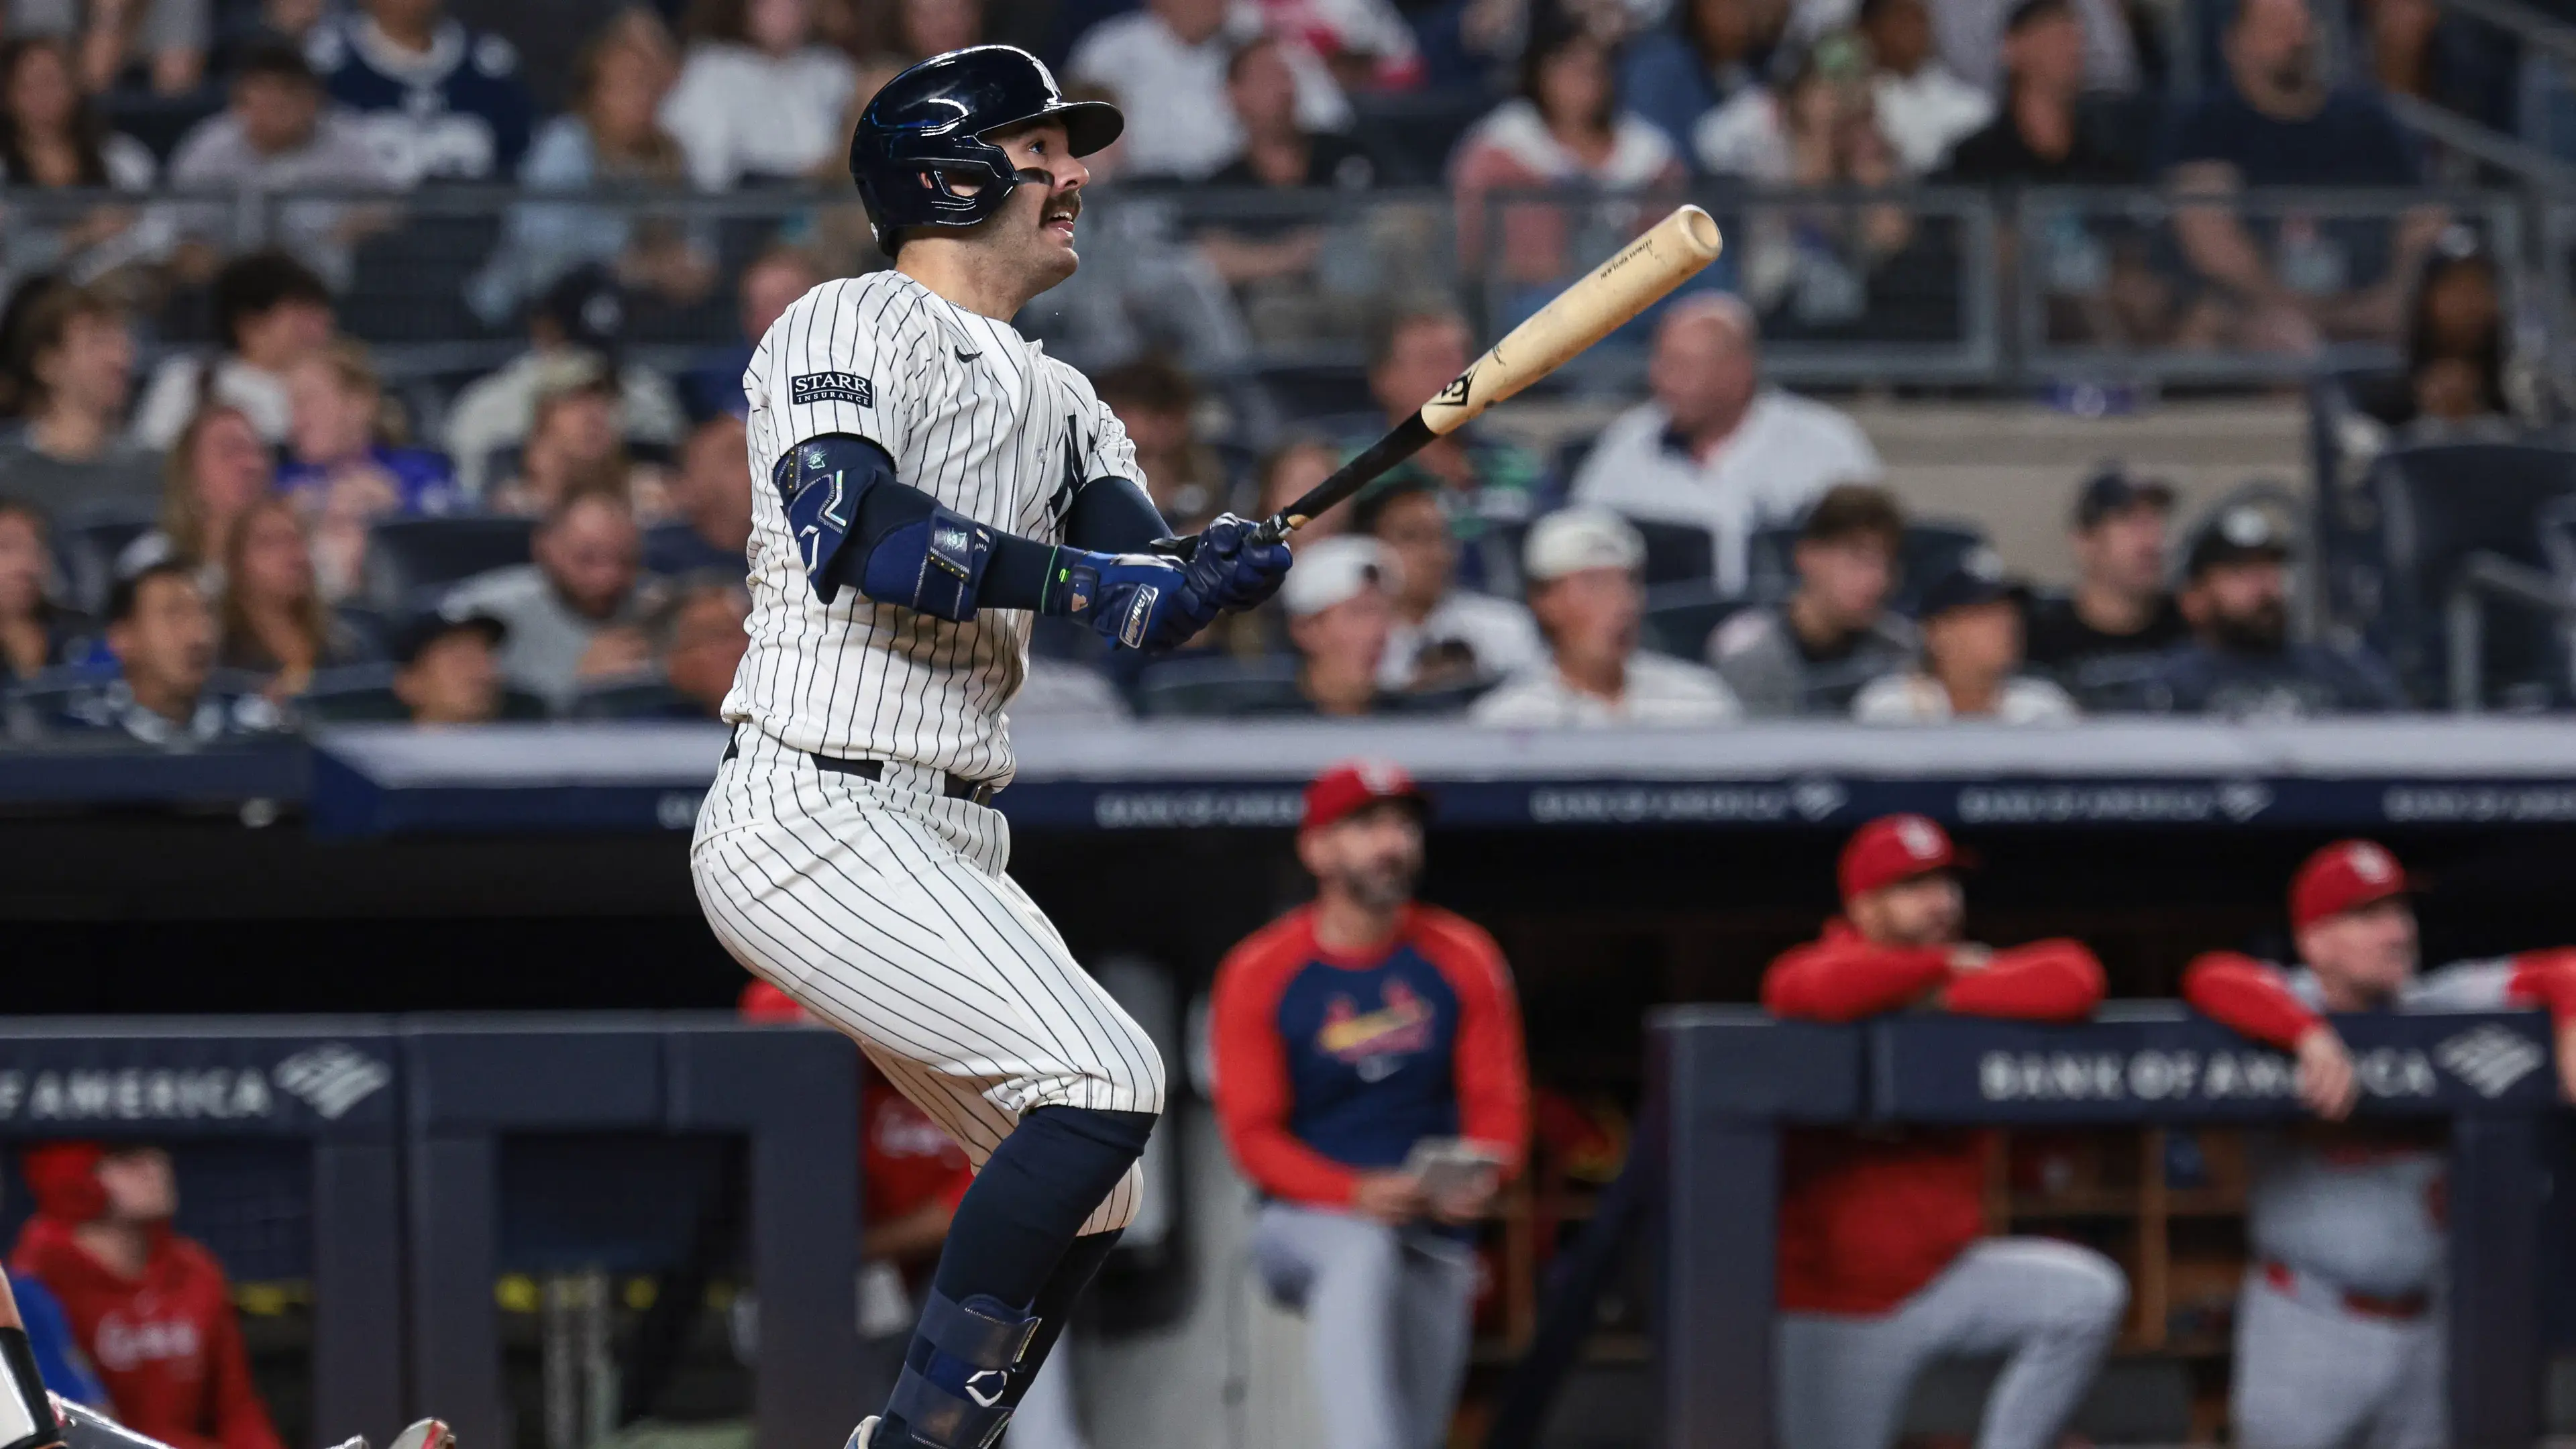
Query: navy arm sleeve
(1113, 515)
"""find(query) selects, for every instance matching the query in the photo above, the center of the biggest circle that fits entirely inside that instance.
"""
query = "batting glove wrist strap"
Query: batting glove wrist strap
(27, 1418)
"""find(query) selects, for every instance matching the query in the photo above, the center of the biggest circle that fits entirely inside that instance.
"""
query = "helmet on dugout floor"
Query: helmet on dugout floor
(926, 128)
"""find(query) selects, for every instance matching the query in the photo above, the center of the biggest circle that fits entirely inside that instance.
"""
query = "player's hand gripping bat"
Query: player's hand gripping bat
(1643, 273)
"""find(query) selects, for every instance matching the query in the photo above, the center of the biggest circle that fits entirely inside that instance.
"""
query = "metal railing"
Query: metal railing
(1941, 286)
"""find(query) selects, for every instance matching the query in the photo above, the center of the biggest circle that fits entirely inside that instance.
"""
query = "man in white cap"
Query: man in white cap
(1339, 617)
(1582, 565)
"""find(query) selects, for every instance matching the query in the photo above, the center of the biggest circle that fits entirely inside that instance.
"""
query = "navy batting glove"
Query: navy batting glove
(1133, 600)
(1233, 569)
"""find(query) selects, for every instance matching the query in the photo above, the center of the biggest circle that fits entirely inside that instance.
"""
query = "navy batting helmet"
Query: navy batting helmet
(929, 124)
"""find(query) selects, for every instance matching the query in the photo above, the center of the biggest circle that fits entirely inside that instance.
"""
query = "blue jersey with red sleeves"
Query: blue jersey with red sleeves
(1328, 1065)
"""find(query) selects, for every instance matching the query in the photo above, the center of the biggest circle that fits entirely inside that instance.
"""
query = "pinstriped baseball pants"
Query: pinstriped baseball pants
(883, 907)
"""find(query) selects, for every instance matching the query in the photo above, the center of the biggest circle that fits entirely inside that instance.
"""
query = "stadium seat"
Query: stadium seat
(2447, 507)
(409, 283)
(1680, 617)
(364, 694)
(408, 557)
(633, 699)
(1218, 686)
(1677, 553)
(86, 545)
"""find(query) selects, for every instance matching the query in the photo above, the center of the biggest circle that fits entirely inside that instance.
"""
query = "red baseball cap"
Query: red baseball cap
(2345, 876)
(63, 1179)
(1348, 786)
(1894, 848)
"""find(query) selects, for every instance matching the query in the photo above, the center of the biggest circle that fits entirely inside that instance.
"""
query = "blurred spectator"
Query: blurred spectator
(1292, 469)
(50, 130)
(1444, 636)
(702, 642)
(2459, 370)
(610, 137)
(572, 447)
(1967, 33)
(1972, 659)
(712, 494)
(2292, 280)
(1565, 129)
(2465, 68)
(341, 470)
(1490, 487)
(1812, 654)
(1278, 149)
(1884, 1262)
(1167, 63)
(1340, 614)
(1366, 45)
(434, 98)
(53, 138)
(149, 1305)
(271, 311)
(758, 97)
(163, 637)
(2241, 663)
(74, 380)
(1923, 106)
(214, 474)
(1352, 1041)
(1157, 402)
(774, 280)
(576, 613)
(166, 37)
(445, 669)
(573, 334)
(274, 622)
(1716, 448)
(2120, 616)
(1671, 75)
(1583, 571)
(279, 135)
(919, 29)
(1820, 129)
(36, 632)
(2042, 136)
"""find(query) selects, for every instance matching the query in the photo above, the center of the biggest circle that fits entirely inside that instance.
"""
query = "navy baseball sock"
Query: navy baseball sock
(1003, 1253)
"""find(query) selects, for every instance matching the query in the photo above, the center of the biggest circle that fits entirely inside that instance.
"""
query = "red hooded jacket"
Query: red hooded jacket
(1868, 1218)
(166, 1344)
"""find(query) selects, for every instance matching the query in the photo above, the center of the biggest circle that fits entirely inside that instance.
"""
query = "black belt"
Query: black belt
(955, 787)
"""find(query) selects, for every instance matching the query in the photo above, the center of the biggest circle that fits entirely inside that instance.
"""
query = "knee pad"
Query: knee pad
(961, 1398)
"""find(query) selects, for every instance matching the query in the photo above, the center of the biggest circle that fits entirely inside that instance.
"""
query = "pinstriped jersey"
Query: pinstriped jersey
(973, 414)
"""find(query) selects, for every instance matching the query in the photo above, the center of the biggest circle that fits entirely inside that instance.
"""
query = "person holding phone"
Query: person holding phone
(1371, 1083)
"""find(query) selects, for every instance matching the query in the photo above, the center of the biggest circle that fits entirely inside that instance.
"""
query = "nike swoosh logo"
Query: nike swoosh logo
(965, 356)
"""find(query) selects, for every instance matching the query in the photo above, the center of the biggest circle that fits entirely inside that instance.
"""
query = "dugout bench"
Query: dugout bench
(1724, 1082)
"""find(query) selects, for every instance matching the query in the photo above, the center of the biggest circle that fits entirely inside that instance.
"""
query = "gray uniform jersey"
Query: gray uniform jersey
(2364, 1216)
(973, 414)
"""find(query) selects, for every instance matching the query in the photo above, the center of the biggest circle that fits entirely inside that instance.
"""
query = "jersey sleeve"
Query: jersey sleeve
(2498, 985)
(2243, 994)
(1250, 1064)
(1113, 453)
(1847, 979)
(2546, 978)
(2055, 980)
(1489, 1065)
(828, 367)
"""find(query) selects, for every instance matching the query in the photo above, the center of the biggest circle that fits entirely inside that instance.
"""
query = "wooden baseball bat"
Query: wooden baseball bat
(1644, 272)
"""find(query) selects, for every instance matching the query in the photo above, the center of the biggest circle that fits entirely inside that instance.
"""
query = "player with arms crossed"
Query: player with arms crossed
(935, 482)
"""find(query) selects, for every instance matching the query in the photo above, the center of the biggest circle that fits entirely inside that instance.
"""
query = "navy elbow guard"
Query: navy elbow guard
(911, 550)
(27, 1418)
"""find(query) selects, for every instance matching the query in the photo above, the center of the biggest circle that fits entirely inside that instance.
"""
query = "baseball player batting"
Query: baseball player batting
(936, 482)
(2340, 1326)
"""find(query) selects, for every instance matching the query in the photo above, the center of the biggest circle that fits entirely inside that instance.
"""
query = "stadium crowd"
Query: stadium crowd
(223, 513)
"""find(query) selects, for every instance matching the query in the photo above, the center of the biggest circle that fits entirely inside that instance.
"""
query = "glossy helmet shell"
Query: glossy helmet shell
(929, 123)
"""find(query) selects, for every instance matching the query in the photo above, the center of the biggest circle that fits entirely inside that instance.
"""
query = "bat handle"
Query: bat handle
(1274, 529)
